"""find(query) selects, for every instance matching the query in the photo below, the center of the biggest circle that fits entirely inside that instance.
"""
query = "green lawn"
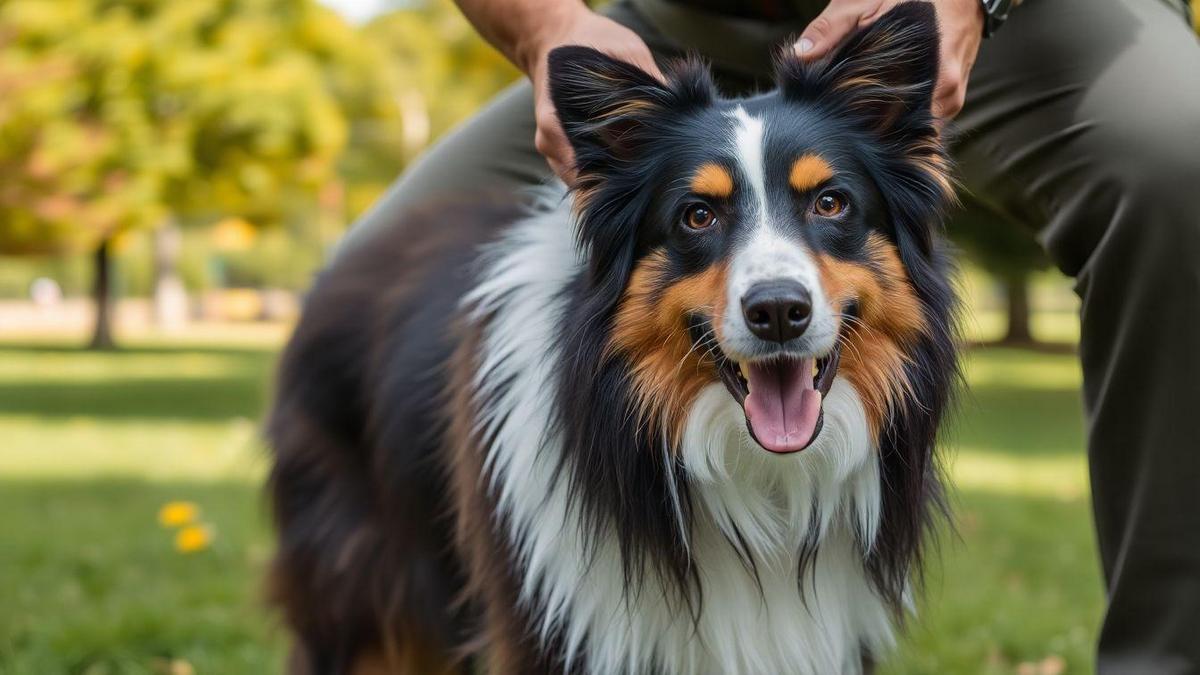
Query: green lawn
(91, 445)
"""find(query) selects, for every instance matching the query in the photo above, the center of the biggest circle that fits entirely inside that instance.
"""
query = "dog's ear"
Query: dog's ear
(604, 104)
(883, 77)
(885, 72)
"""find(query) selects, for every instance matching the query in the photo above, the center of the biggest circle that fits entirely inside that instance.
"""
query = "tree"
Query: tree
(1007, 252)
(118, 115)
(437, 47)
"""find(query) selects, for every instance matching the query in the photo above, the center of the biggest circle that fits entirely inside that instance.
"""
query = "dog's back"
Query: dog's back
(363, 543)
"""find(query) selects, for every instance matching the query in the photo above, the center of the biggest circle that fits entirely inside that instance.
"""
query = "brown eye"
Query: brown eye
(699, 217)
(829, 204)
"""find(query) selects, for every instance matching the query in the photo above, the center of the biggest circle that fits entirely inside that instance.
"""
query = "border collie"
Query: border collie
(680, 419)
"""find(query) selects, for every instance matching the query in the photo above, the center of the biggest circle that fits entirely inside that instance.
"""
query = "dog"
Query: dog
(679, 419)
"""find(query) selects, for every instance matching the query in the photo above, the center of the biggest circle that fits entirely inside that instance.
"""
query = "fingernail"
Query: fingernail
(805, 45)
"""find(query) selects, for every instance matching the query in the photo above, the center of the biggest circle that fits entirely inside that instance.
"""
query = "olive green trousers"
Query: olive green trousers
(1082, 124)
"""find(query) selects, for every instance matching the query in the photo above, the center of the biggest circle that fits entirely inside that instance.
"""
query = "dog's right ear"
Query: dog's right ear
(604, 104)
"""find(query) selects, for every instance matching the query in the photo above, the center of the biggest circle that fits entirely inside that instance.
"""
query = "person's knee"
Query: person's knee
(1142, 203)
(1162, 171)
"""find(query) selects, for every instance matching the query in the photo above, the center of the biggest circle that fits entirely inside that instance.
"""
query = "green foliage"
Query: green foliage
(276, 260)
(448, 70)
(117, 114)
(440, 72)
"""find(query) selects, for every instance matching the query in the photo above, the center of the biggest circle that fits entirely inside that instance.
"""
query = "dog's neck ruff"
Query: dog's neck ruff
(822, 502)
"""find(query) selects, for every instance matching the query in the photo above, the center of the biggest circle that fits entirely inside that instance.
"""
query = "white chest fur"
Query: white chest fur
(832, 488)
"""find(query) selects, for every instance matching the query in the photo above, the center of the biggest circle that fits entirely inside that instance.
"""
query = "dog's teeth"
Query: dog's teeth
(743, 376)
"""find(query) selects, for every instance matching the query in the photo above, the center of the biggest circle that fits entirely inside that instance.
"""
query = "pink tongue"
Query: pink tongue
(782, 406)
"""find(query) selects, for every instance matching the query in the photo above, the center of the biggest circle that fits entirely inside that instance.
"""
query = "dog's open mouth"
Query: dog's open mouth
(782, 397)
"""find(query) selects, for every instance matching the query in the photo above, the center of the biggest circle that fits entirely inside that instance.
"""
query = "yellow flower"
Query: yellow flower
(193, 538)
(176, 514)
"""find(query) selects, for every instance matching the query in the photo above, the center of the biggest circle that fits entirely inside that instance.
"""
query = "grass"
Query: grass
(91, 445)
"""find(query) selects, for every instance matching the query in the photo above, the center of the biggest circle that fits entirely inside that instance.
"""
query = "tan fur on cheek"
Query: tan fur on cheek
(650, 329)
(890, 319)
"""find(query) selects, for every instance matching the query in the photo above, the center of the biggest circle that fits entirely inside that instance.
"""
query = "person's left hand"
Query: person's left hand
(960, 23)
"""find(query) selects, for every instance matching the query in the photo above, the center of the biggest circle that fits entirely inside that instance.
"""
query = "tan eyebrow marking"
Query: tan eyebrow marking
(808, 172)
(712, 180)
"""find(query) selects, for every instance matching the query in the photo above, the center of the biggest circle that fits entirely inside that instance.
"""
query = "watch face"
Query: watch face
(997, 9)
(996, 12)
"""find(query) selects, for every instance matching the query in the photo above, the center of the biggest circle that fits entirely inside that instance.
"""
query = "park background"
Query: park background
(172, 174)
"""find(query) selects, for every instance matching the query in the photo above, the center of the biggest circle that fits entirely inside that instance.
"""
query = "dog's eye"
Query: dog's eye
(829, 204)
(699, 217)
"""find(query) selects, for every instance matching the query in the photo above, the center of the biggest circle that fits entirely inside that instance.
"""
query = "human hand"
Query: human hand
(960, 23)
(577, 25)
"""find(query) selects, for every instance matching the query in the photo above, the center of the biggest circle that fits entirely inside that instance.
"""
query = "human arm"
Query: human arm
(525, 31)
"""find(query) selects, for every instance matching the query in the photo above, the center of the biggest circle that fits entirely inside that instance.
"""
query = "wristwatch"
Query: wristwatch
(995, 12)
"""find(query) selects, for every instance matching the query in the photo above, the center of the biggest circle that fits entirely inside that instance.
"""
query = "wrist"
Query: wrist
(544, 32)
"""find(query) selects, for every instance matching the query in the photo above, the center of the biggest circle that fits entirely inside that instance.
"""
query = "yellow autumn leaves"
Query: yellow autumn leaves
(192, 534)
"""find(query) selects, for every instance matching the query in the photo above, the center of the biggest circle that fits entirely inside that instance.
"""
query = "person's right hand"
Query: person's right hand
(575, 25)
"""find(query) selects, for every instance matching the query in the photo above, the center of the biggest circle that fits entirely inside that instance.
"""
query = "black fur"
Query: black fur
(618, 474)
(361, 490)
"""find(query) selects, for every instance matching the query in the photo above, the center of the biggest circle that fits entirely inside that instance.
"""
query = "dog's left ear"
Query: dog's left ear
(885, 72)
(883, 77)
(604, 104)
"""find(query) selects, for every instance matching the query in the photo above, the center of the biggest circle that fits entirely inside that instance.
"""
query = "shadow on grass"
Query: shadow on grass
(216, 398)
(1037, 346)
(142, 382)
(1019, 421)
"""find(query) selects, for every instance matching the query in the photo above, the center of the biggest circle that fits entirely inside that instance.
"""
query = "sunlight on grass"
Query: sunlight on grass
(1056, 327)
(70, 366)
(1059, 477)
(1022, 369)
(86, 448)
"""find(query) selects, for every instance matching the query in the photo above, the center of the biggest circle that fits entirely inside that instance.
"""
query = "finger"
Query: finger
(949, 94)
(646, 62)
(565, 173)
(551, 142)
(828, 29)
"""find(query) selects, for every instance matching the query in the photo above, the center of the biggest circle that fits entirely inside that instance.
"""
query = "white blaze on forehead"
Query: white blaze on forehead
(770, 252)
(748, 134)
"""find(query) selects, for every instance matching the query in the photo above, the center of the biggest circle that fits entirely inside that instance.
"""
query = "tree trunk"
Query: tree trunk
(1016, 287)
(102, 337)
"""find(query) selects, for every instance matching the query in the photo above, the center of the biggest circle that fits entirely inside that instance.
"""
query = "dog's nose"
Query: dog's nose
(777, 310)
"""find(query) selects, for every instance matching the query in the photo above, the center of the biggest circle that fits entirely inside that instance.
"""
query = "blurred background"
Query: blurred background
(172, 174)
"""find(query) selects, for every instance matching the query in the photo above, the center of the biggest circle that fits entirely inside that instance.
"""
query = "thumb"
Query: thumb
(827, 30)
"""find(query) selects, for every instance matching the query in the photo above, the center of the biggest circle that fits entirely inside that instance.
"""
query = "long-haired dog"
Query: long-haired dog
(679, 421)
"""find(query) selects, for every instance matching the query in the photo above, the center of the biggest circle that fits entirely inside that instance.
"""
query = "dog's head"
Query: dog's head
(773, 244)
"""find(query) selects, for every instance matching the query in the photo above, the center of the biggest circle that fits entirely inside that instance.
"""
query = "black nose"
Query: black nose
(777, 310)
